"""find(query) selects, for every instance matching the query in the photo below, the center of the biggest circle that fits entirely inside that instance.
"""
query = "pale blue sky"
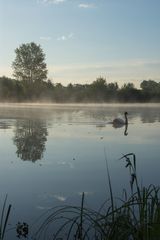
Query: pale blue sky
(85, 39)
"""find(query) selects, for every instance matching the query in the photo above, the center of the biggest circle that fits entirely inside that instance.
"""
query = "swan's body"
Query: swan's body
(119, 122)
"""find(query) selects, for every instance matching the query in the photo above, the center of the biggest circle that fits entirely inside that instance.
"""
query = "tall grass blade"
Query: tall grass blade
(4, 219)
(2, 216)
(81, 218)
(110, 185)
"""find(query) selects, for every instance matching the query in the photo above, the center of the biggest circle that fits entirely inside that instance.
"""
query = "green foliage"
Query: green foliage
(10, 89)
(128, 92)
(99, 91)
(29, 63)
(151, 89)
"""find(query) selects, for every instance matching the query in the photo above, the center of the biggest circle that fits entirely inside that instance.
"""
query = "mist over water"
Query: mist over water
(51, 153)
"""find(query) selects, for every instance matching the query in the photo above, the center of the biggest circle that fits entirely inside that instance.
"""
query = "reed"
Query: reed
(4, 218)
(144, 204)
(136, 217)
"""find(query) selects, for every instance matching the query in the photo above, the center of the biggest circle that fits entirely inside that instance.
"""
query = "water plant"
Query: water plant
(4, 218)
(135, 217)
(144, 204)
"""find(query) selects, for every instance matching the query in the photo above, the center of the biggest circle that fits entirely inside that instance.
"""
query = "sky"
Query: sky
(85, 39)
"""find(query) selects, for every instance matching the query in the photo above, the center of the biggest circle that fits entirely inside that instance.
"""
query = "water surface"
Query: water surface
(50, 154)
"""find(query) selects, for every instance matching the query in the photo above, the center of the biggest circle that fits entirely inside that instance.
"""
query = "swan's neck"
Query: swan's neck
(126, 120)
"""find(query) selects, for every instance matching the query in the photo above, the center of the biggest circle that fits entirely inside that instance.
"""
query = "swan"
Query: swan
(119, 122)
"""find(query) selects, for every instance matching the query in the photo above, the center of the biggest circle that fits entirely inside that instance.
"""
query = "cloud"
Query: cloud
(85, 5)
(45, 38)
(65, 37)
(53, 1)
(70, 35)
(62, 38)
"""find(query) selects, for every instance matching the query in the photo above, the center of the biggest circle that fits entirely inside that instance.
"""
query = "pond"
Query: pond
(50, 154)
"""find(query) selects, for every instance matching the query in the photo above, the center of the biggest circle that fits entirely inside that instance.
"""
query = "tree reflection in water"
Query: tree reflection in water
(30, 137)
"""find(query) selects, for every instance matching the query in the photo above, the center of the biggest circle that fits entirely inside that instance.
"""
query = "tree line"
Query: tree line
(30, 84)
(98, 91)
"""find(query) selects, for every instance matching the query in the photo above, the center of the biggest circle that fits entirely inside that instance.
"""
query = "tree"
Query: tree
(29, 63)
(150, 90)
(150, 86)
(98, 89)
(99, 83)
(111, 91)
(128, 86)
(128, 93)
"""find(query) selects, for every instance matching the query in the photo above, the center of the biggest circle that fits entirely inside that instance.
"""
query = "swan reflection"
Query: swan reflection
(126, 130)
(119, 123)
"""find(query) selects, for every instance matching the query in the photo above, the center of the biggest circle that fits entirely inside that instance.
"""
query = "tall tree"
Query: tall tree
(29, 63)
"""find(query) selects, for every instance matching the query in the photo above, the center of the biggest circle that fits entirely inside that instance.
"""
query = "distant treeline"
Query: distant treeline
(97, 92)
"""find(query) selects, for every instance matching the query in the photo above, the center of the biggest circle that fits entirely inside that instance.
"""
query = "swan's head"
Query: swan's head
(126, 113)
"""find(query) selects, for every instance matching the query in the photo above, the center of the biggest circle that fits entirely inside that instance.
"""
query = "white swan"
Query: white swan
(118, 122)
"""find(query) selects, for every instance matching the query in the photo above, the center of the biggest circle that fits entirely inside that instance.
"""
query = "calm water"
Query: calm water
(51, 154)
